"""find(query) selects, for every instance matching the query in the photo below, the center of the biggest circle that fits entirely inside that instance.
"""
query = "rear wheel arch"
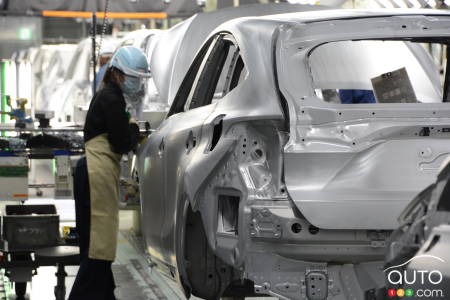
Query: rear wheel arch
(201, 272)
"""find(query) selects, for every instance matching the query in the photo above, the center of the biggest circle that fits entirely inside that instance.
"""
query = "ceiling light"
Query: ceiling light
(401, 3)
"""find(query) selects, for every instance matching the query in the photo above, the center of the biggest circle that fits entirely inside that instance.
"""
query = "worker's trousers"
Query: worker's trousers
(94, 279)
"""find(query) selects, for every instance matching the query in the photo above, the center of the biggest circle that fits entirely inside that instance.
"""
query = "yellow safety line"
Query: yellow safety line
(100, 14)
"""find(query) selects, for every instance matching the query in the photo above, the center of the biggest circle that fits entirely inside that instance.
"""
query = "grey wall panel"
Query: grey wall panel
(19, 33)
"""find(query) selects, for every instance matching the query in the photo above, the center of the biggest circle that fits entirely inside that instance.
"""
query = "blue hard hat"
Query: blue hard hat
(131, 61)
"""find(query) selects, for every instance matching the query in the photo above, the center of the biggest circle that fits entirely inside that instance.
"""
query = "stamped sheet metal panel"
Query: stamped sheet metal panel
(357, 166)
(175, 51)
(360, 190)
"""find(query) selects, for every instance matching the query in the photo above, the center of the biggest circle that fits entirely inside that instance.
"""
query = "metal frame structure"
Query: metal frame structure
(263, 182)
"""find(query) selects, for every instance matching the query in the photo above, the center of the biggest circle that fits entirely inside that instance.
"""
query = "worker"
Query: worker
(108, 133)
(104, 58)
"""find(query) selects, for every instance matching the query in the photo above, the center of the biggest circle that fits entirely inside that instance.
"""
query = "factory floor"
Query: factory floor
(134, 277)
(133, 274)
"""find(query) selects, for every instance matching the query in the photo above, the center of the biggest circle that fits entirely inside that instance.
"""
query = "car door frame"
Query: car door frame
(154, 201)
(177, 111)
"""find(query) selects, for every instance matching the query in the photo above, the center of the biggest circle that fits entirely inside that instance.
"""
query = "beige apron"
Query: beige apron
(104, 172)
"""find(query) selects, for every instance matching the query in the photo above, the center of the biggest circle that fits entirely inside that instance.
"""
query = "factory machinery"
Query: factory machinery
(30, 234)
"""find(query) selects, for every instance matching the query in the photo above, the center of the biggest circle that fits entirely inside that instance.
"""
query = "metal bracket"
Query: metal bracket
(264, 224)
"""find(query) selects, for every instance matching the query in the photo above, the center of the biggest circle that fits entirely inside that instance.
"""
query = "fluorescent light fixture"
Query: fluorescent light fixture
(25, 34)
(11, 79)
(386, 3)
(25, 77)
(401, 3)
(415, 3)
(376, 4)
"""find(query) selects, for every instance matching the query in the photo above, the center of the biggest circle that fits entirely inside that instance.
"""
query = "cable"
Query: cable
(105, 17)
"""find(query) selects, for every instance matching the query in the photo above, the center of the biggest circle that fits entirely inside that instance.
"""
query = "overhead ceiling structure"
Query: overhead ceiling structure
(170, 7)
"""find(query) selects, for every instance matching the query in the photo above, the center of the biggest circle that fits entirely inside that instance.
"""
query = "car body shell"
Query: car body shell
(306, 192)
(50, 66)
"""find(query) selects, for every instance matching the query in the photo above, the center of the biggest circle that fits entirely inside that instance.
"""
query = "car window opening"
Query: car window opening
(204, 92)
(217, 70)
(380, 71)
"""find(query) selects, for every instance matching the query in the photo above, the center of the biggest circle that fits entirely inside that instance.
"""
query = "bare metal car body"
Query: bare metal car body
(175, 50)
(75, 87)
(71, 99)
(262, 184)
(50, 65)
(422, 242)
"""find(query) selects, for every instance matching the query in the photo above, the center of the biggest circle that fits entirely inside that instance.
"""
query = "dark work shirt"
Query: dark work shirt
(107, 114)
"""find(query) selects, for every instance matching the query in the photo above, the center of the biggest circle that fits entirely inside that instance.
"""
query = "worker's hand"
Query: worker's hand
(133, 120)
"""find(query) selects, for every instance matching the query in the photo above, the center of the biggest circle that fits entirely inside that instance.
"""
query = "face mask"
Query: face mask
(131, 85)
(134, 103)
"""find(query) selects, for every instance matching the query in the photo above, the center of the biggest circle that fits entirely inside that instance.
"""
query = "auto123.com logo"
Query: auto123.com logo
(416, 283)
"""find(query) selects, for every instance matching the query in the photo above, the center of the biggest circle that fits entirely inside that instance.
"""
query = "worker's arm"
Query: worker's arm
(122, 134)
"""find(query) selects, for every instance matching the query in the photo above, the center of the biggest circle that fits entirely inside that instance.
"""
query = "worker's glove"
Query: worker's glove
(144, 131)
